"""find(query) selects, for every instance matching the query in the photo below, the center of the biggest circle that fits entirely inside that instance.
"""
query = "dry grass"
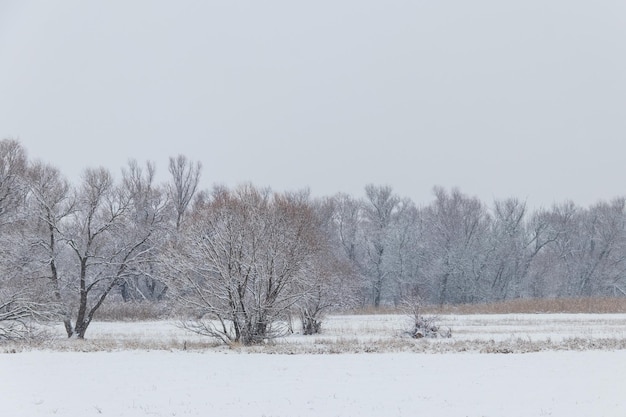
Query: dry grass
(339, 346)
(538, 305)
(132, 311)
(408, 345)
(144, 311)
(589, 305)
(111, 345)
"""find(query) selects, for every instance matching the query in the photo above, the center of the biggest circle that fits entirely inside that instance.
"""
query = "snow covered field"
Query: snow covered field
(490, 326)
(383, 333)
(137, 383)
(145, 372)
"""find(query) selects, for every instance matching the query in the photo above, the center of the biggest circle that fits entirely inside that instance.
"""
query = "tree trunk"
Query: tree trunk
(81, 325)
(444, 289)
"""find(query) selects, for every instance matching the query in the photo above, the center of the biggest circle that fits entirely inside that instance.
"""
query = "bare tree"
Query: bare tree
(51, 200)
(99, 211)
(405, 250)
(185, 179)
(347, 219)
(146, 224)
(13, 162)
(379, 214)
(242, 263)
(333, 282)
(19, 294)
(587, 255)
(111, 235)
(456, 230)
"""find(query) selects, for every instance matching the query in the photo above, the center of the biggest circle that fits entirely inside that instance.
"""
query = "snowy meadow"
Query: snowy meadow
(557, 365)
(367, 333)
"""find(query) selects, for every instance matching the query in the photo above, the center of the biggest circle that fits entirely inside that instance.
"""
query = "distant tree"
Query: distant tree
(406, 251)
(379, 212)
(508, 250)
(185, 177)
(347, 220)
(456, 230)
(605, 273)
(587, 255)
(557, 226)
(542, 235)
(146, 222)
(13, 164)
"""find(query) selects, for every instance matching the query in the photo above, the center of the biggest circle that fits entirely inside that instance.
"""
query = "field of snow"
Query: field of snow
(384, 333)
(496, 327)
(74, 384)
(141, 369)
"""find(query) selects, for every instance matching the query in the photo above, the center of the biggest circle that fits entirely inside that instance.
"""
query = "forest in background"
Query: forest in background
(247, 257)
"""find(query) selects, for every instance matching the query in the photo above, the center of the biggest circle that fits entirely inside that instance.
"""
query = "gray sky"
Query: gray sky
(524, 99)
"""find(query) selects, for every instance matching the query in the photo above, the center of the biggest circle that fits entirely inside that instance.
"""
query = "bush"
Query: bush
(423, 326)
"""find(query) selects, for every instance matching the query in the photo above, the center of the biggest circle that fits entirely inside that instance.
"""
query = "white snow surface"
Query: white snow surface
(161, 383)
(496, 327)
(221, 382)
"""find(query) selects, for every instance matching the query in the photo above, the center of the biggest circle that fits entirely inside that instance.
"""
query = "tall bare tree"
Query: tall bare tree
(21, 293)
(112, 235)
(379, 213)
(51, 201)
(100, 208)
(146, 224)
(13, 163)
(185, 177)
(456, 230)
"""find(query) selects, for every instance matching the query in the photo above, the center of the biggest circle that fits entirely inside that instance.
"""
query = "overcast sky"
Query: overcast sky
(499, 98)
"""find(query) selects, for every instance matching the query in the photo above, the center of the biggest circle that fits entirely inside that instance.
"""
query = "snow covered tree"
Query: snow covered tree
(147, 226)
(50, 201)
(112, 233)
(455, 229)
(587, 254)
(243, 261)
(379, 214)
(185, 177)
(333, 282)
(22, 293)
(347, 220)
(405, 251)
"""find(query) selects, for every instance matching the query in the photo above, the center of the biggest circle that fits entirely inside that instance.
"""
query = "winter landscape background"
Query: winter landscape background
(355, 207)
(120, 286)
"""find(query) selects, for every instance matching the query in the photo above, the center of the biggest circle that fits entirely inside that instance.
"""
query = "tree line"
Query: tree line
(242, 261)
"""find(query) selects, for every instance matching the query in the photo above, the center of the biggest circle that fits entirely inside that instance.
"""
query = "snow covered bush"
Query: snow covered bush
(243, 262)
(423, 326)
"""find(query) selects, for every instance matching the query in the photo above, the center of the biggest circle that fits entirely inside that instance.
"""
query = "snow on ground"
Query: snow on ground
(161, 383)
(496, 327)
(210, 381)
(488, 326)
(537, 326)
